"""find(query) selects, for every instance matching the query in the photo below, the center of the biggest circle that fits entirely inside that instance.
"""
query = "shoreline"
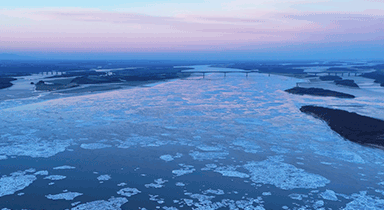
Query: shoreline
(87, 89)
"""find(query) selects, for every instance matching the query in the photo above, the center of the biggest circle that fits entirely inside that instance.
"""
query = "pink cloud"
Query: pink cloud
(87, 30)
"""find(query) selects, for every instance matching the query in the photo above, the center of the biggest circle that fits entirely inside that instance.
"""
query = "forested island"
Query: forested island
(330, 78)
(346, 82)
(354, 127)
(5, 82)
(318, 92)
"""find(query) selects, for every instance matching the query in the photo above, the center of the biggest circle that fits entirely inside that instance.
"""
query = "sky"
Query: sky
(199, 29)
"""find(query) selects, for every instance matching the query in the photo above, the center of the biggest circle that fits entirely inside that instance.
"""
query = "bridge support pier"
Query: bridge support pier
(225, 74)
(203, 75)
(246, 74)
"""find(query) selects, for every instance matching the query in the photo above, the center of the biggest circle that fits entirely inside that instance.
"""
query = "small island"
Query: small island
(354, 127)
(347, 82)
(330, 78)
(41, 85)
(318, 92)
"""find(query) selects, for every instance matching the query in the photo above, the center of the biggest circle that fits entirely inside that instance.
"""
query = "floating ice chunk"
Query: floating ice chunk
(42, 173)
(31, 170)
(155, 198)
(187, 169)
(55, 177)
(170, 208)
(203, 199)
(296, 196)
(128, 192)
(158, 183)
(111, 204)
(126, 144)
(380, 191)
(122, 184)
(329, 195)
(170, 127)
(209, 167)
(364, 201)
(326, 163)
(208, 155)
(167, 158)
(75, 203)
(143, 141)
(318, 204)
(64, 167)
(248, 146)
(64, 196)
(35, 147)
(266, 193)
(11, 184)
(215, 192)
(180, 172)
(283, 175)
(233, 174)
(188, 202)
(95, 146)
(207, 148)
(230, 171)
(180, 184)
(3, 157)
(248, 204)
(104, 177)
(20, 194)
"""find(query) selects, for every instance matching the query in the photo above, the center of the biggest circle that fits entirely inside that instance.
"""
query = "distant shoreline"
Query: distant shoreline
(318, 92)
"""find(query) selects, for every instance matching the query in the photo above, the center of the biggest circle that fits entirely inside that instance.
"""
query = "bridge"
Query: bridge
(349, 73)
(246, 72)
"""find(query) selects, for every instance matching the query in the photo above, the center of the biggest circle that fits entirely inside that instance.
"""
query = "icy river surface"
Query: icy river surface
(215, 143)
